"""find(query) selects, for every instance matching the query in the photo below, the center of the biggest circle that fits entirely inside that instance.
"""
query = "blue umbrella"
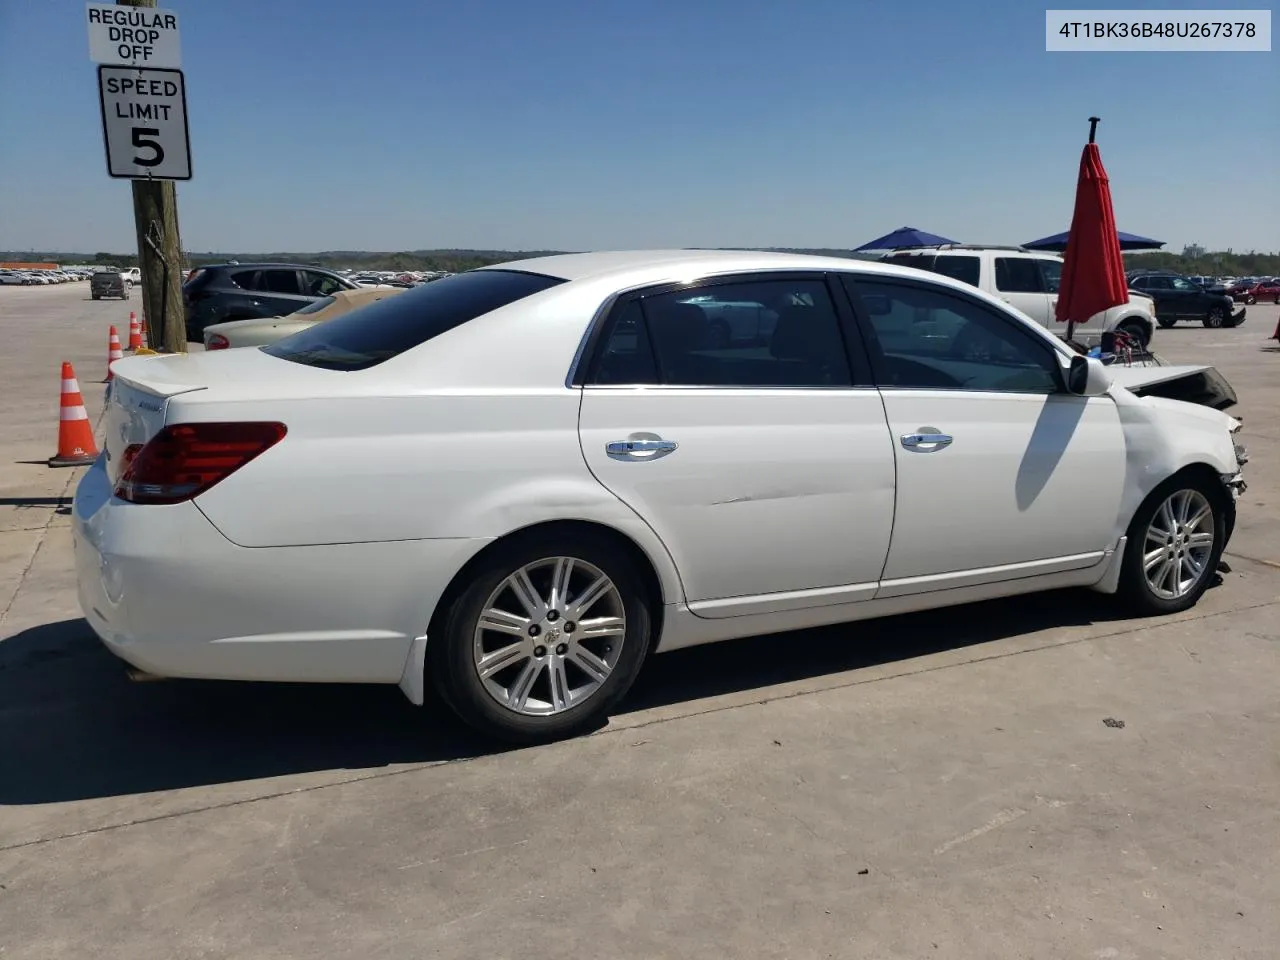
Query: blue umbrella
(1128, 241)
(904, 237)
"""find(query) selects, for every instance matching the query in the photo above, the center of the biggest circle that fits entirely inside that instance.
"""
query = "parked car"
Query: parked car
(1263, 290)
(253, 291)
(1028, 281)
(257, 333)
(14, 279)
(109, 283)
(516, 483)
(1177, 298)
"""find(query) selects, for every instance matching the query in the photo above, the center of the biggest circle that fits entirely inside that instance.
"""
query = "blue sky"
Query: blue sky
(509, 124)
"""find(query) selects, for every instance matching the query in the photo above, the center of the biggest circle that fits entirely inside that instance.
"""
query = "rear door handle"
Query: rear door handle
(632, 450)
(926, 442)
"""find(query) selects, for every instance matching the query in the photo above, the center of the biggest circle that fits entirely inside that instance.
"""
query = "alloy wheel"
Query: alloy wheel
(1178, 544)
(549, 636)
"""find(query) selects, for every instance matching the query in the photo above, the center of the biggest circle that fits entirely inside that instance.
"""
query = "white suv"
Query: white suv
(1028, 282)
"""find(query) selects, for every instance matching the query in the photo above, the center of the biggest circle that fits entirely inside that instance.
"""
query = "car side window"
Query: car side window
(279, 281)
(1051, 273)
(1156, 283)
(965, 269)
(931, 338)
(246, 279)
(753, 333)
(1018, 275)
(1185, 286)
(627, 357)
(320, 284)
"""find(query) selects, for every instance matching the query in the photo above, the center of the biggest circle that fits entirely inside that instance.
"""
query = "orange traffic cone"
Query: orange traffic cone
(114, 352)
(1276, 335)
(135, 331)
(75, 433)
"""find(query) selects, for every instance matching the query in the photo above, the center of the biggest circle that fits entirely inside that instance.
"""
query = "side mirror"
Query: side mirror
(1087, 377)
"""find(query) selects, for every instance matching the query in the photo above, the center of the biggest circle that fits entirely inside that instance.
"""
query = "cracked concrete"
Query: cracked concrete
(923, 786)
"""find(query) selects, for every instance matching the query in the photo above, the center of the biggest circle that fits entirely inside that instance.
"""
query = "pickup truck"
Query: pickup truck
(1028, 281)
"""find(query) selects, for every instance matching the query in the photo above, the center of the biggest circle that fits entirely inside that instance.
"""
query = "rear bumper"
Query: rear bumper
(169, 594)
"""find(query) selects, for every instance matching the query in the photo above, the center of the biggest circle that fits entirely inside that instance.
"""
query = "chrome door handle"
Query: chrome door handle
(639, 449)
(926, 442)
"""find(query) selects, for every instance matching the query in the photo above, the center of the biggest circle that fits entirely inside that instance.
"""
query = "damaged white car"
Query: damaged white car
(516, 483)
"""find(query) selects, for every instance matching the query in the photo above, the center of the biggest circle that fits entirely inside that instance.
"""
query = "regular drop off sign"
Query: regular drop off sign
(138, 36)
(144, 123)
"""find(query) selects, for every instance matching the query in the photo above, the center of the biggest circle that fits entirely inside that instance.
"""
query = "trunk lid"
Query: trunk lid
(142, 388)
(135, 413)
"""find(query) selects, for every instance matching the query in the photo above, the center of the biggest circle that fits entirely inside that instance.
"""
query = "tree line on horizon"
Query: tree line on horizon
(1193, 260)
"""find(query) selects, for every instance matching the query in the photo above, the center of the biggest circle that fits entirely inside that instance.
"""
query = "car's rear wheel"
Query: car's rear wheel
(1215, 318)
(1174, 545)
(1250, 300)
(547, 638)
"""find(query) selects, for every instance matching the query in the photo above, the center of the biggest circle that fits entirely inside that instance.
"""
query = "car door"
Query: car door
(765, 466)
(1019, 283)
(1001, 474)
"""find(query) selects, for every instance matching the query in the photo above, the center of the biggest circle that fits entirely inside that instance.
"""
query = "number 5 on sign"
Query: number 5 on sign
(144, 123)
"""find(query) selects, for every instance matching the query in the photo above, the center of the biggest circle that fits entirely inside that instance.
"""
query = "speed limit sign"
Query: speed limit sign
(144, 123)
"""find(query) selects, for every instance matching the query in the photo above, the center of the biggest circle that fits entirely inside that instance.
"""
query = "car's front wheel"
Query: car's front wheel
(1250, 300)
(546, 639)
(1215, 318)
(1174, 544)
(1135, 331)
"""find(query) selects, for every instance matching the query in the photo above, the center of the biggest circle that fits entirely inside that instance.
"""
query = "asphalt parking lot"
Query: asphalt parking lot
(1025, 778)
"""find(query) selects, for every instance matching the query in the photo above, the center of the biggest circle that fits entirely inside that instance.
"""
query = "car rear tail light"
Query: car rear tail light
(217, 342)
(184, 460)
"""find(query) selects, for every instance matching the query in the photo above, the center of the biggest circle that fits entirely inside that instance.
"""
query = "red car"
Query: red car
(1264, 290)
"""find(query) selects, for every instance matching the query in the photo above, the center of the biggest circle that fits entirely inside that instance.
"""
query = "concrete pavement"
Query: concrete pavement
(1032, 777)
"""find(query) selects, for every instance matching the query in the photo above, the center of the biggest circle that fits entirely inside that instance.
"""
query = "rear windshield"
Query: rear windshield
(316, 306)
(387, 328)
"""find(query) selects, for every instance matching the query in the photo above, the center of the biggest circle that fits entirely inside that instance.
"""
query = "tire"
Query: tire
(546, 648)
(1215, 318)
(1136, 330)
(1250, 301)
(1165, 322)
(95, 296)
(1136, 586)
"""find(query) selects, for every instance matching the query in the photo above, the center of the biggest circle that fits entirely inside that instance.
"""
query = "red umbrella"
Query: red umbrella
(1093, 277)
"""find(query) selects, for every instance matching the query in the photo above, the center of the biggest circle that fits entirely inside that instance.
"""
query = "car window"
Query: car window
(388, 327)
(279, 281)
(320, 284)
(246, 279)
(1155, 283)
(930, 338)
(627, 356)
(1018, 275)
(1050, 274)
(1183, 285)
(965, 269)
(753, 333)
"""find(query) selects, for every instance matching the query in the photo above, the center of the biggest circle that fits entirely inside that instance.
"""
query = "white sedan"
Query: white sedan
(515, 483)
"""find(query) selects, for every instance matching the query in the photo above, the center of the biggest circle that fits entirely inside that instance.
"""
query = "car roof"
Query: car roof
(259, 265)
(630, 267)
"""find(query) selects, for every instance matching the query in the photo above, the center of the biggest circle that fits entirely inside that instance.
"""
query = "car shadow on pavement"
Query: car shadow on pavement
(73, 726)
